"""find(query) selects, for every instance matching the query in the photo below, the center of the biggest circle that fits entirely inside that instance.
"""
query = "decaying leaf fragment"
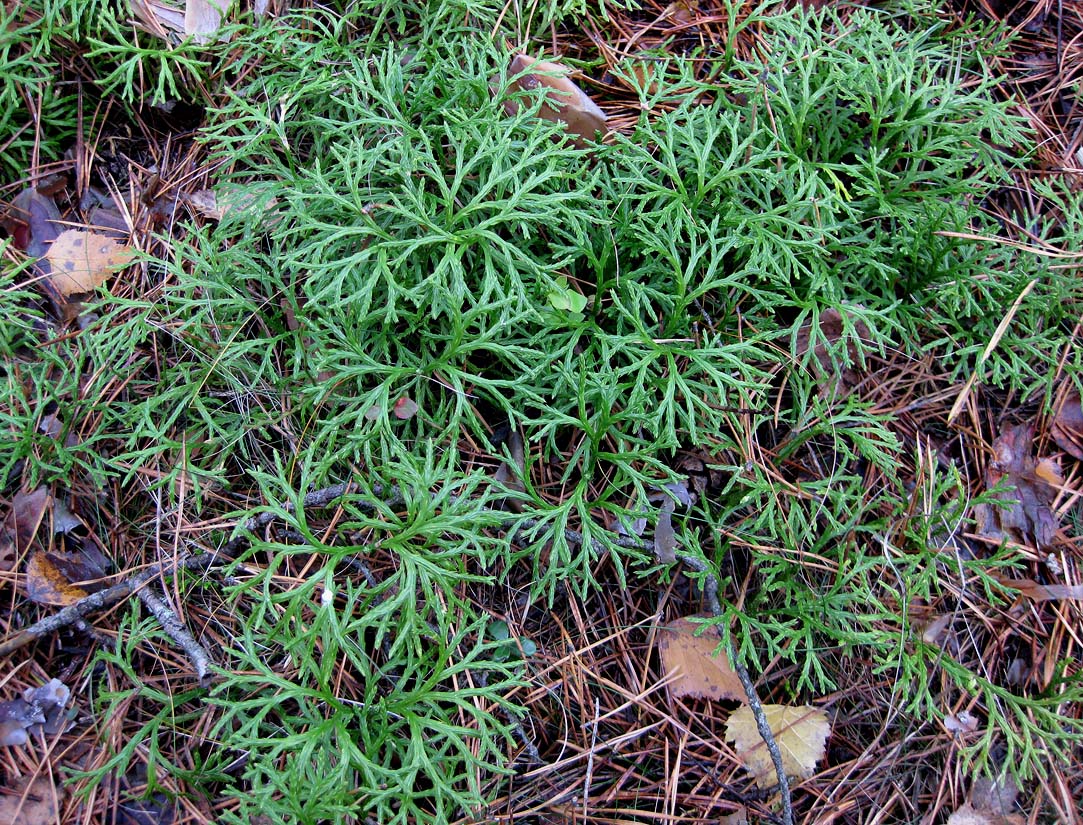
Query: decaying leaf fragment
(698, 670)
(33, 221)
(564, 101)
(202, 19)
(1067, 426)
(405, 408)
(38, 710)
(47, 584)
(172, 19)
(665, 539)
(21, 524)
(1037, 592)
(30, 801)
(831, 327)
(82, 261)
(801, 733)
(1029, 518)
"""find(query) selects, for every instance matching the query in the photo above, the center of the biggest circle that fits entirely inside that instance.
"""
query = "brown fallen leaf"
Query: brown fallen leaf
(969, 815)
(682, 12)
(26, 802)
(1029, 517)
(832, 324)
(698, 670)
(564, 101)
(1043, 592)
(33, 222)
(962, 722)
(994, 794)
(20, 526)
(82, 261)
(47, 584)
(801, 733)
(1067, 426)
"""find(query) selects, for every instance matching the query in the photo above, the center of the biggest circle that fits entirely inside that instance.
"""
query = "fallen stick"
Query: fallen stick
(102, 599)
(175, 629)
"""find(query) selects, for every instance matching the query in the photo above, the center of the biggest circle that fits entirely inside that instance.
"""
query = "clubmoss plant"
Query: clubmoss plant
(394, 234)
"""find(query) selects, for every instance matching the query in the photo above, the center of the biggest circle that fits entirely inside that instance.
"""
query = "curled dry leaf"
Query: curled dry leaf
(234, 201)
(33, 222)
(698, 670)
(801, 733)
(564, 101)
(202, 19)
(510, 475)
(962, 722)
(995, 795)
(1067, 427)
(39, 709)
(1029, 517)
(969, 815)
(163, 19)
(47, 584)
(82, 261)
(21, 524)
(681, 13)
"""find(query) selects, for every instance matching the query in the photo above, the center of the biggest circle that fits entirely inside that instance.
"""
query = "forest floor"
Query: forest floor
(684, 428)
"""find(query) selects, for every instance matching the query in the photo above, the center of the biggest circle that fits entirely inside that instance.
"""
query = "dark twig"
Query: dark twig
(710, 595)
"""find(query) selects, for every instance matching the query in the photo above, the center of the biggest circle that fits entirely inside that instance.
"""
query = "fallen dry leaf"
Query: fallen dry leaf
(969, 815)
(33, 222)
(1043, 592)
(159, 18)
(46, 584)
(82, 261)
(39, 709)
(682, 12)
(1067, 426)
(699, 671)
(30, 803)
(801, 733)
(404, 408)
(832, 325)
(962, 722)
(564, 101)
(1029, 517)
(20, 526)
(234, 201)
(203, 19)
(934, 629)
